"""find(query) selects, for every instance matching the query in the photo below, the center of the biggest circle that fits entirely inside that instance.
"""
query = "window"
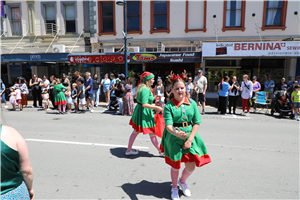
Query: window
(195, 20)
(160, 16)
(134, 17)
(50, 22)
(234, 15)
(15, 21)
(69, 13)
(106, 18)
(274, 15)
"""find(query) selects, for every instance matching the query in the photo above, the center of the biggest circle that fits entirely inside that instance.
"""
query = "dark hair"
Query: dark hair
(81, 81)
(94, 76)
(44, 76)
(65, 84)
(22, 80)
(225, 79)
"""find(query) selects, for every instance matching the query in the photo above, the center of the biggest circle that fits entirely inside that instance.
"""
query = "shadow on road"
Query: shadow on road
(120, 153)
(158, 190)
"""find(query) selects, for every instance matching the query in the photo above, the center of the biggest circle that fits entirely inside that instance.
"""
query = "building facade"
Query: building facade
(41, 29)
(186, 26)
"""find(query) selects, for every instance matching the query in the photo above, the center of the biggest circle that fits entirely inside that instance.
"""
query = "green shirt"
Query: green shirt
(296, 96)
(11, 176)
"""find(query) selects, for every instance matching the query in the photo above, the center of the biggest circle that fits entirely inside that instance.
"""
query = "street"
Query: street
(81, 156)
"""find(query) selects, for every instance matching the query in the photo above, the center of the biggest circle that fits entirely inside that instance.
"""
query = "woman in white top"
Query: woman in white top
(105, 83)
(247, 89)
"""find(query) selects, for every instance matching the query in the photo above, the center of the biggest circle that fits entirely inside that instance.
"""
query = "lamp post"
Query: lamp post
(124, 3)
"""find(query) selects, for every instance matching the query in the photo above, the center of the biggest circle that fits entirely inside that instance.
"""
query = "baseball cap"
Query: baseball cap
(283, 78)
(254, 77)
(200, 71)
(159, 80)
(190, 78)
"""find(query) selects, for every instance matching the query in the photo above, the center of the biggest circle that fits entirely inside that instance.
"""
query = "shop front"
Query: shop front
(161, 64)
(260, 59)
(24, 65)
(103, 63)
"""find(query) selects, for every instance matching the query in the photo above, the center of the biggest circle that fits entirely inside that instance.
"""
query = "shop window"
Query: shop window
(50, 22)
(160, 16)
(195, 20)
(234, 15)
(69, 16)
(15, 20)
(106, 18)
(274, 16)
(2, 30)
(134, 17)
(151, 49)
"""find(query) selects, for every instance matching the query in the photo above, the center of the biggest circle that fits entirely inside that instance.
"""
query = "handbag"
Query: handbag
(160, 124)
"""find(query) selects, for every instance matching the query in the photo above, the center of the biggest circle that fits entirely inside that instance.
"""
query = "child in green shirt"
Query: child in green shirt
(296, 101)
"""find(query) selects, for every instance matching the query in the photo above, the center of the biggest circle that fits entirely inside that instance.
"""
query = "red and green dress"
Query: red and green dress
(59, 94)
(176, 112)
(142, 120)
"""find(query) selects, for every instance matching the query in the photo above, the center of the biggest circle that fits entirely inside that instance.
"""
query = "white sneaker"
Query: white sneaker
(92, 111)
(5, 106)
(174, 194)
(186, 191)
(132, 152)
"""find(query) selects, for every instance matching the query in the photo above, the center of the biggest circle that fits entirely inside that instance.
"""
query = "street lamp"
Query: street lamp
(123, 3)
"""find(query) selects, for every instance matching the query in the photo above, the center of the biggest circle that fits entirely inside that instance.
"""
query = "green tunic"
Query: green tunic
(59, 94)
(142, 120)
(174, 112)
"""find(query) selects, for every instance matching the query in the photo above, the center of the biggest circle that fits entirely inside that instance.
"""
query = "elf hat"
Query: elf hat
(147, 76)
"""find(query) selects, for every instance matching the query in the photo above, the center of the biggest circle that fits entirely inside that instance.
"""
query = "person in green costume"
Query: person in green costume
(60, 99)
(142, 120)
(183, 143)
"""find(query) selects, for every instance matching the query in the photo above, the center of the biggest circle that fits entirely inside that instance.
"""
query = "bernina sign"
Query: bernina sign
(186, 57)
(99, 58)
(234, 49)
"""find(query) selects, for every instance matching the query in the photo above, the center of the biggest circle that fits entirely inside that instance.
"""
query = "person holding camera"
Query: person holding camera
(233, 94)
(36, 90)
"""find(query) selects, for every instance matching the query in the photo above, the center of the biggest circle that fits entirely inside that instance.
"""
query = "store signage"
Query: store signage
(2, 9)
(47, 57)
(237, 49)
(100, 58)
(185, 57)
(216, 74)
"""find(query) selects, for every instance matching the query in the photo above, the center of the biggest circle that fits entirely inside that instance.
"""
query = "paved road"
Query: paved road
(81, 156)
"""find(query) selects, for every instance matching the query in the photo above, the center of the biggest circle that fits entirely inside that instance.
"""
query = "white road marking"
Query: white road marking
(84, 143)
(235, 117)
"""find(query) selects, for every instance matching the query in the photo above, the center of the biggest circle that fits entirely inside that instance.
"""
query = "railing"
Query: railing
(51, 28)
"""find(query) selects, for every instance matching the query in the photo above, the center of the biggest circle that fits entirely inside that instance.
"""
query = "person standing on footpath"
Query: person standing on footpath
(128, 101)
(247, 89)
(36, 90)
(65, 80)
(24, 92)
(44, 84)
(119, 93)
(106, 88)
(180, 140)
(60, 99)
(51, 93)
(256, 88)
(142, 120)
(168, 89)
(2, 94)
(96, 90)
(89, 91)
(233, 95)
(223, 95)
(189, 86)
(269, 87)
(16, 170)
(202, 85)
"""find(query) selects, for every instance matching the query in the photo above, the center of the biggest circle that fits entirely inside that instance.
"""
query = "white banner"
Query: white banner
(237, 49)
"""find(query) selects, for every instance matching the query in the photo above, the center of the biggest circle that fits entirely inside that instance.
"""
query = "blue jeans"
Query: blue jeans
(3, 97)
(120, 101)
(96, 94)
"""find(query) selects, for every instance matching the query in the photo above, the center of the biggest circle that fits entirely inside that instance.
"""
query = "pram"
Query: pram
(113, 103)
(284, 109)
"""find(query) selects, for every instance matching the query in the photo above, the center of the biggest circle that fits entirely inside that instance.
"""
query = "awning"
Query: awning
(97, 58)
(175, 57)
(45, 57)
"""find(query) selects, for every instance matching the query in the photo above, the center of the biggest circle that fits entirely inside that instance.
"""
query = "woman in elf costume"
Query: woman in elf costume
(180, 141)
(60, 99)
(142, 120)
